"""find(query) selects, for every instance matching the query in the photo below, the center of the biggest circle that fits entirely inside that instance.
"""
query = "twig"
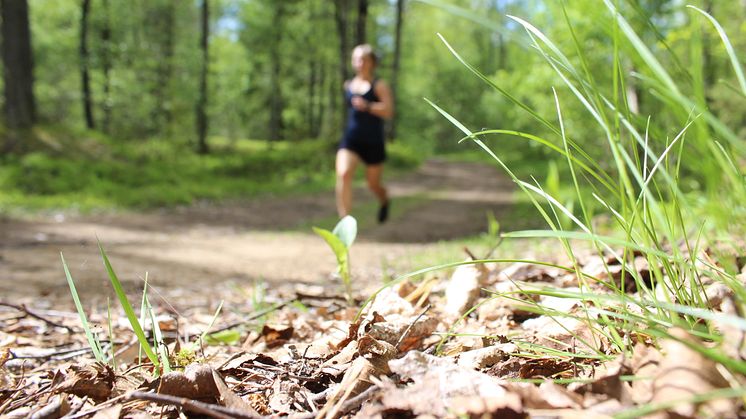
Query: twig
(346, 406)
(409, 328)
(302, 296)
(30, 313)
(254, 316)
(58, 355)
(99, 407)
(212, 410)
(51, 410)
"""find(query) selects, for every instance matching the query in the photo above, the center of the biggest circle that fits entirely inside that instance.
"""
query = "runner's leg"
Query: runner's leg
(373, 174)
(346, 162)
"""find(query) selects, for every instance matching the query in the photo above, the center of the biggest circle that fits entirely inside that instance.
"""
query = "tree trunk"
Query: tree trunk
(276, 105)
(312, 82)
(396, 66)
(321, 104)
(106, 64)
(202, 147)
(161, 114)
(340, 17)
(20, 110)
(362, 20)
(85, 65)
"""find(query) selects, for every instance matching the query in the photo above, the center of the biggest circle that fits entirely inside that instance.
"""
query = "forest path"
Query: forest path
(201, 250)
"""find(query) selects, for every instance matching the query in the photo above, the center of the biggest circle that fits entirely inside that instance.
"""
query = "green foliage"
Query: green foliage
(160, 173)
(635, 176)
(340, 240)
(93, 341)
(136, 324)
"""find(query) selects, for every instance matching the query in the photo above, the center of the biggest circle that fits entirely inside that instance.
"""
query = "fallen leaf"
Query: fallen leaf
(475, 407)
(438, 384)
(276, 337)
(57, 407)
(284, 395)
(88, 380)
(421, 328)
(463, 288)
(372, 362)
(112, 412)
(684, 373)
(201, 382)
(486, 357)
(260, 403)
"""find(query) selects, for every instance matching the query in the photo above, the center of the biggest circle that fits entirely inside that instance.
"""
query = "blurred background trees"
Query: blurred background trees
(273, 70)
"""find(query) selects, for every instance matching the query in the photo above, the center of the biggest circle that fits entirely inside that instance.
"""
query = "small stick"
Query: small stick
(30, 313)
(99, 407)
(346, 406)
(212, 410)
(409, 328)
(254, 316)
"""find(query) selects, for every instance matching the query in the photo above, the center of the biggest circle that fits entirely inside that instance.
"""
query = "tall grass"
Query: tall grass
(635, 178)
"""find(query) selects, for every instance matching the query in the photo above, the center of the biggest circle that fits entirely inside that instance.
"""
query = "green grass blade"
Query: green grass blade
(159, 345)
(131, 316)
(92, 341)
(111, 333)
(728, 47)
(212, 322)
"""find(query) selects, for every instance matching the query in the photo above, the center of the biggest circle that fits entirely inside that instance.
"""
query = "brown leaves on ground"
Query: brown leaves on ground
(504, 359)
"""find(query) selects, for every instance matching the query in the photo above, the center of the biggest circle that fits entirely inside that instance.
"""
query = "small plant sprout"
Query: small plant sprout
(340, 239)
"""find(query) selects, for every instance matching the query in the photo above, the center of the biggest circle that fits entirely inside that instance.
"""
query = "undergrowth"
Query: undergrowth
(627, 200)
(88, 171)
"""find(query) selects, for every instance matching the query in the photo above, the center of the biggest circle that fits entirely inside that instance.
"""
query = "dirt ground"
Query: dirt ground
(204, 250)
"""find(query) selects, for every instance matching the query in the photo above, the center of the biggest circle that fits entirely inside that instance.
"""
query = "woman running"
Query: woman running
(369, 102)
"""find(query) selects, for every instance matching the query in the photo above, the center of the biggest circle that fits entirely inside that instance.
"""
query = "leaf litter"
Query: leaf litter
(471, 344)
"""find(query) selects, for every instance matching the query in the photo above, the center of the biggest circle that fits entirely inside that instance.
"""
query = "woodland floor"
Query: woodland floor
(298, 349)
(268, 240)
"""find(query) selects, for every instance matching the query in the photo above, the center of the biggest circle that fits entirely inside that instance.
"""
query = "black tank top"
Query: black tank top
(363, 125)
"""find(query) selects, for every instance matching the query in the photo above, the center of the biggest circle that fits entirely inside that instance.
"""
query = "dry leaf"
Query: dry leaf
(57, 407)
(284, 395)
(474, 407)
(486, 357)
(259, 403)
(684, 373)
(196, 383)
(440, 383)
(95, 381)
(645, 364)
(373, 362)
(109, 413)
(274, 338)
(463, 288)
(391, 332)
(388, 303)
(339, 363)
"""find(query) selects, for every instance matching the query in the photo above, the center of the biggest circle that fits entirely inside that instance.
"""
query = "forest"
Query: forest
(568, 191)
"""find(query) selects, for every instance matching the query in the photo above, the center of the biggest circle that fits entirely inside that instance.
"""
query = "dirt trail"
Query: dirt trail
(199, 250)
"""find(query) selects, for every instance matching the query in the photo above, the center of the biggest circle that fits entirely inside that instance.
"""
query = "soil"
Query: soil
(206, 249)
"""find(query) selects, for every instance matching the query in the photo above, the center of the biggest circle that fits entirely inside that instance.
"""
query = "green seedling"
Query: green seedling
(136, 325)
(93, 341)
(340, 239)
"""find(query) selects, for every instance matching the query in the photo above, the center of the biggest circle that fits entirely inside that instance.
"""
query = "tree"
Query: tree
(106, 66)
(20, 110)
(276, 103)
(396, 64)
(362, 20)
(85, 65)
(201, 116)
